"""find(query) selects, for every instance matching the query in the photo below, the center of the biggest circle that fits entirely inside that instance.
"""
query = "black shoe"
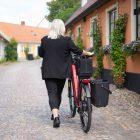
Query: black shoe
(56, 122)
(52, 118)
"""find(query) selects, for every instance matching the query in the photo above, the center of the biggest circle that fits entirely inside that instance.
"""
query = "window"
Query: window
(138, 19)
(92, 30)
(78, 30)
(112, 18)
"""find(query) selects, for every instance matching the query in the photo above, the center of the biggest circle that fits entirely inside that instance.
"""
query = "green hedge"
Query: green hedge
(11, 51)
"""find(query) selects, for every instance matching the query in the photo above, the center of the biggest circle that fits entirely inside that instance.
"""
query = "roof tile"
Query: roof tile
(23, 33)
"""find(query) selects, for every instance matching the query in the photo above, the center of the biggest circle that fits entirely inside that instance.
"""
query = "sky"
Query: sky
(30, 11)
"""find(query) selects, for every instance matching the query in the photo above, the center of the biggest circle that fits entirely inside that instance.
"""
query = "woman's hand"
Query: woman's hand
(87, 53)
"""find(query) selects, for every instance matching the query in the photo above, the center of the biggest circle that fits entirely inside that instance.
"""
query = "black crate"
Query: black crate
(85, 69)
(100, 93)
(30, 57)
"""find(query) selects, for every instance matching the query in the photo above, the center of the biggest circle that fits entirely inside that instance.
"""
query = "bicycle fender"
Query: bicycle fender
(87, 90)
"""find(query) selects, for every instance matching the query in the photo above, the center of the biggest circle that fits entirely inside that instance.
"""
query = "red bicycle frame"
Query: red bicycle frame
(75, 81)
(76, 84)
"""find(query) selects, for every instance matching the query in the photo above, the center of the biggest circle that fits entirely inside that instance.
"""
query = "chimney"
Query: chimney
(23, 23)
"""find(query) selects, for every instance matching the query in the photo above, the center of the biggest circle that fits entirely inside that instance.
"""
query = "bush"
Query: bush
(11, 51)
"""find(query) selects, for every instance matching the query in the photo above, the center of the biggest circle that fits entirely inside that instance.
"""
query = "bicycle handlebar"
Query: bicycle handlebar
(87, 56)
(81, 56)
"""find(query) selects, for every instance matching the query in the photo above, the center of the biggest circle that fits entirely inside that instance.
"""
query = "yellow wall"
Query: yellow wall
(32, 50)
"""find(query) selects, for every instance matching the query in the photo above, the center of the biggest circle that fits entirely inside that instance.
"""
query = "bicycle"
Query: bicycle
(79, 94)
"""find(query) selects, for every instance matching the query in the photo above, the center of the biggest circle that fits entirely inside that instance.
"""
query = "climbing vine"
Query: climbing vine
(79, 42)
(98, 51)
(117, 39)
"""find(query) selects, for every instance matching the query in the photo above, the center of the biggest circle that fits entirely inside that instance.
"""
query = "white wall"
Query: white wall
(133, 20)
(19, 49)
(36, 50)
(2, 48)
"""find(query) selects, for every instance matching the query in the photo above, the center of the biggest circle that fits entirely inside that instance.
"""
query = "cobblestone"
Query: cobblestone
(25, 113)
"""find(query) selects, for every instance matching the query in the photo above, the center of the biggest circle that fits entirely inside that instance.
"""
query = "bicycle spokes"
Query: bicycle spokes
(85, 112)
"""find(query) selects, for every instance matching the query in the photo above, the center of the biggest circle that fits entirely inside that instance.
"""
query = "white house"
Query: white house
(26, 36)
(3, 41)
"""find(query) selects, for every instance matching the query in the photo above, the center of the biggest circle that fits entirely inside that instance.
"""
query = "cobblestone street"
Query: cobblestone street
(25, 113)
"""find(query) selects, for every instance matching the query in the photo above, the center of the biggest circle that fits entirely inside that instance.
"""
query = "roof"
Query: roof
(4, 36)
(23, 33)
(85, 10)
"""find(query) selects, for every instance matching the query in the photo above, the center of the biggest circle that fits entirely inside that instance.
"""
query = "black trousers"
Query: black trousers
(55, 88)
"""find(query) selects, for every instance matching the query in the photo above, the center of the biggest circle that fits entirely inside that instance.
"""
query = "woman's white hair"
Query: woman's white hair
(57, 29)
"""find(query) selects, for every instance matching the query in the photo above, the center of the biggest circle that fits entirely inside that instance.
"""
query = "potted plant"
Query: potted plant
(106, 49)
(131, 48)
(119, 78)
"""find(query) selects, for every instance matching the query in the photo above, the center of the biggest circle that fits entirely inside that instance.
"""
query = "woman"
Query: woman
(55, 50)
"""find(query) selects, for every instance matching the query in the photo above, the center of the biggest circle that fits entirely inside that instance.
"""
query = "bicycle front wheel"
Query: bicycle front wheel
(85, 111)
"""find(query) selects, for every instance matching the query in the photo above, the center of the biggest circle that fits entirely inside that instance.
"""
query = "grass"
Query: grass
(4, 61)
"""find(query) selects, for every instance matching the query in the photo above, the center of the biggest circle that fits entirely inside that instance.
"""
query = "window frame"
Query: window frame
(78, 27)
(93, 19)
(112, 22)
(115, 6)
(137, 21)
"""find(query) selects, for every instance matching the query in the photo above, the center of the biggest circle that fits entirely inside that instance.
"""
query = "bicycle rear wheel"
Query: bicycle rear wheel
(85, 111)
(71, 99)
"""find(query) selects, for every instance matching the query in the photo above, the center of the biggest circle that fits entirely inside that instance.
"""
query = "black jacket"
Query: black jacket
(56, 56)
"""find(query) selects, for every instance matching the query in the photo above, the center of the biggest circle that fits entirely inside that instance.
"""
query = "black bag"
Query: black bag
(30, 57)
(85, 69)
(100, 93)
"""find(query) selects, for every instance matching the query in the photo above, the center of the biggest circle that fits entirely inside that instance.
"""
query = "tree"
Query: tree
(11, 51)
(62, 9)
